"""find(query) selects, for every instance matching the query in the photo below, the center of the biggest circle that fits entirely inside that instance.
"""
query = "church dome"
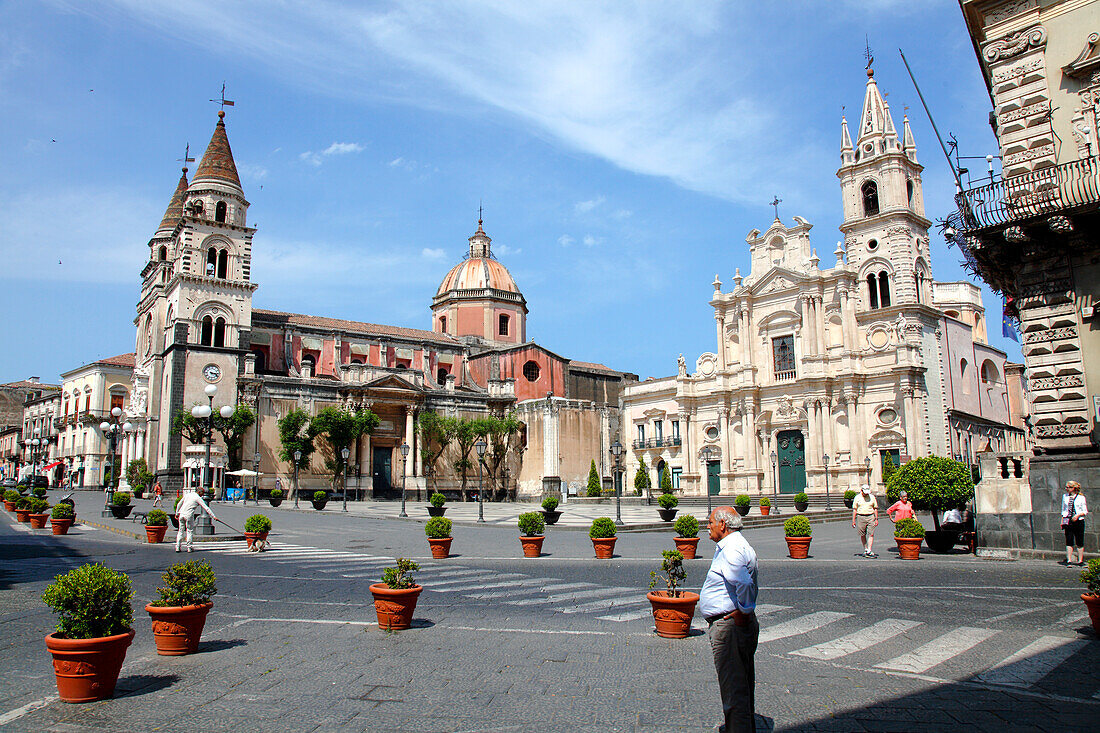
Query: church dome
(478, 270)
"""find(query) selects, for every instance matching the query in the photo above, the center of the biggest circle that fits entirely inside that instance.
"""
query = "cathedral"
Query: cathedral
(823, 371)
(198, 333)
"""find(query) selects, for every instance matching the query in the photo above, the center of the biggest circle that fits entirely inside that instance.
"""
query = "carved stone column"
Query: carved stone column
(819, 313)
(408, 467)
(721, 319)
(910, 428)
(724, 431)
(685, 440)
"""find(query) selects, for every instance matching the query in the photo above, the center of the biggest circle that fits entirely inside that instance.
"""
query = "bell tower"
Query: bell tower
(885, 230)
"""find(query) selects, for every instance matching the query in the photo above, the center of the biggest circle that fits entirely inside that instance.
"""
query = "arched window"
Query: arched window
(883, 290)
(531, 371)
(964, 378)
(219, 332)
(163, 253)
(869, 190)
(990, 375)
(223, 264)
(443, 324)
(872, 290)
(206, 335)
(219, 212)
(211, 262)
(441, 376)
(909, 190)
(261, 360)
(502, 325)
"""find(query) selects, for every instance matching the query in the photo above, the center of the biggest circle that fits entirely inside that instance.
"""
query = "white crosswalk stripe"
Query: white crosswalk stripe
(939, 650)
(609, 604)
(1033, 662)
(800, 625)
(858, 640)
(571, 595)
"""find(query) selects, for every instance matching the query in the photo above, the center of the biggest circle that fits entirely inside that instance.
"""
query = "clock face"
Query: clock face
(212, 373)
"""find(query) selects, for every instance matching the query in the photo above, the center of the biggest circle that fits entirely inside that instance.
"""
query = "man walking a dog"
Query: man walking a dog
(188, 511)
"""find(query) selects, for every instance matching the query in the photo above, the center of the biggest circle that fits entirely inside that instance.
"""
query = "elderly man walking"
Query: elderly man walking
(190, 506)
(728, 602)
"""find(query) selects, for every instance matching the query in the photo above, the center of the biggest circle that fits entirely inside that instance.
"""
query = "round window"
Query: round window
(711, 432)
(872, 245)
(531, 371)
(888, 416)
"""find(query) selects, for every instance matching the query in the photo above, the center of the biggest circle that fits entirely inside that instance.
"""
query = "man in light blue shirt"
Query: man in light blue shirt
(728, 602)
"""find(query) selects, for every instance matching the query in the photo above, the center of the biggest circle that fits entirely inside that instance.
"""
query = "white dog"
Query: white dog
(258, 545)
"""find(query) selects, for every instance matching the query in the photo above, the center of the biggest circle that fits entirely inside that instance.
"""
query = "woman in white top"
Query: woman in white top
(1074, 510)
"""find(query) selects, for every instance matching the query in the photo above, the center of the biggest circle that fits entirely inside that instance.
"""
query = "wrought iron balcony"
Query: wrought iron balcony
(1043, 192)
(657, 443)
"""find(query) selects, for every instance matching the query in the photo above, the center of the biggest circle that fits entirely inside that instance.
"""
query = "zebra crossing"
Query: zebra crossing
(1003, 658)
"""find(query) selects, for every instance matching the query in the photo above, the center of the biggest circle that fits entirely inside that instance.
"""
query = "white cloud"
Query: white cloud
(622, 214)
(505, 250)
(565, 240)
(251, 172)
(433, 254)
(583, 207)
(590, 241)
(315, 159)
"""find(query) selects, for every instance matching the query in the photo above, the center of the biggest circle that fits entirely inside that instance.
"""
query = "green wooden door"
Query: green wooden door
(792, 461)
(713, 485)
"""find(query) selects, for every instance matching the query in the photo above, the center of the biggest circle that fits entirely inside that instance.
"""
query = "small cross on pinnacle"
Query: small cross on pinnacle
(479, 209)
(776, 202)
(867, 52)
(186, 156)
(222, 101)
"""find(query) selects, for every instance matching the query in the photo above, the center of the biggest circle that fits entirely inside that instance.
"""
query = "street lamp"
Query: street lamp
(110, 430)
(828, 501)
(775, 482)
(35, 442)
(297, 457)
(480, 447)
(404, 457)
(867, 463)
(617, 454)
(200, 412)
(707, 453)
(344, 453)
(256, 478)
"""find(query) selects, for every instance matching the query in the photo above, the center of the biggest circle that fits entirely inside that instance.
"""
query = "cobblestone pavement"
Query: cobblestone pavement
(560, 643)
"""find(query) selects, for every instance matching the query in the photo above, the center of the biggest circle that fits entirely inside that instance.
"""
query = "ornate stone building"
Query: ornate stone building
(822, 371)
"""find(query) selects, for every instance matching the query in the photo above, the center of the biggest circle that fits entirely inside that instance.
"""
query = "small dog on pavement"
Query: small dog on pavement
(258, 545)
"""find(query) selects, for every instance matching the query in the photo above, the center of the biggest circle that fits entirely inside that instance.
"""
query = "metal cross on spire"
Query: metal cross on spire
(222, 101)
(186, 156)
(867, 52)
(776, 202)
(479, 209)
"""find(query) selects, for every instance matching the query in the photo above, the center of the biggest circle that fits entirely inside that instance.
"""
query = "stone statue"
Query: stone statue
(682, 365)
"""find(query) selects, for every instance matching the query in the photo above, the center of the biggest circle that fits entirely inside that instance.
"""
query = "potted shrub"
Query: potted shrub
(849, 497)
(437, 500)
(531, 527)
(62, 517)
(275, 498)
(180, 613)
(668, 504)
(120, 504)
(765, 506)
(550, 513)
(909, 534)
(438, 530)
(603, 537)
(1090, 576)
(23, 509)
(797, 531)
(156, 524)
(10, 497)
(395, 597)
(742, 504)
(256, 528)
(686, 539)
(801, 501)
(39, 512)
(672, 608)
(934, 484)
(94, 628)
(320, 498)
(39, 492)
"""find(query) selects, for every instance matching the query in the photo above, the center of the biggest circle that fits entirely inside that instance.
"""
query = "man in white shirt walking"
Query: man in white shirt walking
(728, 602)
(190, 506)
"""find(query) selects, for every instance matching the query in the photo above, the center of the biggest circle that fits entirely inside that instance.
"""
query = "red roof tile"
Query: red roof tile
(277, 319)
(175, 205)
(217, 161)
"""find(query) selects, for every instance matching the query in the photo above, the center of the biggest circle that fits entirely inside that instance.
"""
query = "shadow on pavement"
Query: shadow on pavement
(143, 684)
(220, 645)
(30, 558)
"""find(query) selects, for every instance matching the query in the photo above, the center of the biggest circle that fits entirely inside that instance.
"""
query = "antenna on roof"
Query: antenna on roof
(222, 101)
(186, 157)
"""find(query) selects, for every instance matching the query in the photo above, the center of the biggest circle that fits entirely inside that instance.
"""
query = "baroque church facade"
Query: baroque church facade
(824, 370)
(196, 326)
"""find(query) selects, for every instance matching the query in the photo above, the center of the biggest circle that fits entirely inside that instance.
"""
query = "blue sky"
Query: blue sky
(622, 152)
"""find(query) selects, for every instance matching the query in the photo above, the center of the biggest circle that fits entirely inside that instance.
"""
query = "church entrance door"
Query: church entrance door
(381, 463)
(713, 483)
(792, 461)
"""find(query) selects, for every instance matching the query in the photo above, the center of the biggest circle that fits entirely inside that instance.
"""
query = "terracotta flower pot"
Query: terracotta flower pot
(394, 607)
(909, 547)
(154, 534)
(38, 521)
(604, 547)
(765, 511)
(60, 526)
(672, 616)
(798, 548)
(23, 515)
(441, 547)
(9, 505)
(251, 537)
(532, 546)
(1092, 603)
(87, 669)
(177, 629)
(686, 546)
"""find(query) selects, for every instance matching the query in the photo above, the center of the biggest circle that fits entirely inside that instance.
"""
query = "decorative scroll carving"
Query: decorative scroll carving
(1062, 431)
(1016, 234)
(1018, 70)
(1085, 60)
(1060, 224)
(996, 15)
(1052, 334)
(1024, 112)
(1014, 44)
(1070, 380)
(1042, 151)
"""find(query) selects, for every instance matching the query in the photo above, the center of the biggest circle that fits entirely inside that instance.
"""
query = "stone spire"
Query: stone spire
(479, 243)
(875, 124)
(217, 164)
(175, 205)
(845, 141)
(909, 145)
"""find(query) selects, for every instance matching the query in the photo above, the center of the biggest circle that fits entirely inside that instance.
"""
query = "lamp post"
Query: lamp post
(297, 457)
(617, 455)
(35, 442)
(404, 457)
(775, 482)
(256, 478)
(110, 431)
(480, 446)
(828, 501)
(344, 453)
(708, 454)
(867, 463)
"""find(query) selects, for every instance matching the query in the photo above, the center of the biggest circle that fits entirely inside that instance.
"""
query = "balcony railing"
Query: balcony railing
(788, 376)
(657, 443)
(1041, 192)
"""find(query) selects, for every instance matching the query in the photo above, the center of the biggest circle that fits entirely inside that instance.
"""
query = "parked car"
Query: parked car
(8, 483)
(34, 482)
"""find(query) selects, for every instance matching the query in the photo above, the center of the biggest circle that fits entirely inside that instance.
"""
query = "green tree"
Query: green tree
(934, 484)
(232, 429)
(466, 434)
(189, 426)
(666, 481)
(504, 435)
(888, 468)
(296, 434)
(594, 485)
(340, 428)
(641, 478)
(137, 474)
(436, 433)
